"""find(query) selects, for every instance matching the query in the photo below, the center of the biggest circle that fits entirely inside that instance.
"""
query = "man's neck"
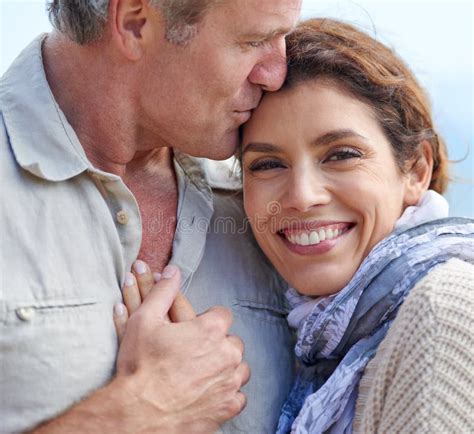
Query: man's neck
(102, 111)
(104, 114)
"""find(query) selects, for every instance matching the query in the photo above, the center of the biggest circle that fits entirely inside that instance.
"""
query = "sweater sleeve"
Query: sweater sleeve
(422, 378)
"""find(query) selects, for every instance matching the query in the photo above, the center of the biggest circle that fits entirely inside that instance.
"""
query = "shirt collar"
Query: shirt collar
(41, 138)
(195, 172)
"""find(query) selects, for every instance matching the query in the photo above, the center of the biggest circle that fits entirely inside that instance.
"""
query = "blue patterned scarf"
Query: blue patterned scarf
(341, 334)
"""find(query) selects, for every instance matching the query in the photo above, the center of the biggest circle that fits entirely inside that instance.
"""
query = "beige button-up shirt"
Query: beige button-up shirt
(69, 232)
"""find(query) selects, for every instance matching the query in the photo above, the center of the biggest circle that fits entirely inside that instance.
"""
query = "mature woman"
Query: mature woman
(342, 172)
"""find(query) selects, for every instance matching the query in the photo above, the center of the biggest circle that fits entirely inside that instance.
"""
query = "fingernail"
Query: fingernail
(119, 309)
(169, 271)
(129, 279)
(157, 277)
(140, 267)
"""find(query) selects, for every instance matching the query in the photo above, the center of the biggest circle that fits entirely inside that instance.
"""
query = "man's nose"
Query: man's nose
(270, 72)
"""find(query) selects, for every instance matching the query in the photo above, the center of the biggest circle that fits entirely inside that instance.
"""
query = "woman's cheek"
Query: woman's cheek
(258, 193)
(249, 200)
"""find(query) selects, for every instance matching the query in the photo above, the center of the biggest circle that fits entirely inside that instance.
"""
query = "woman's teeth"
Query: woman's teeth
(314, 237)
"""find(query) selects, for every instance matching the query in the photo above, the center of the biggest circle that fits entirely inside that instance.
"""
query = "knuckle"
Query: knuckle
(223, 314)
(231, 384)
(244, 369)
(231, 408)
(231, 356)
(245, 373)
(242, 398)
(236, 382)
(216, 322)
(210, 327)
(234, 407)
(214, 325)
(235, 404)
(237, 342)
(236, 355)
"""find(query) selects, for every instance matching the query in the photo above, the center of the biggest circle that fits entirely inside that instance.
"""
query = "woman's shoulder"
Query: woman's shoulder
(442, 303)
(455, 273)
(439, 311)
(446, 287)
(421, 378)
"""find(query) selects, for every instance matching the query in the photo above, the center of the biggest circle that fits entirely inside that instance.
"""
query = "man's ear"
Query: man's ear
(128, 22)
(418, 178)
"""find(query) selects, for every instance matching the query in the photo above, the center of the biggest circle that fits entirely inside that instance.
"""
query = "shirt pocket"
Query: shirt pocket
(53, 352)
(35, 312)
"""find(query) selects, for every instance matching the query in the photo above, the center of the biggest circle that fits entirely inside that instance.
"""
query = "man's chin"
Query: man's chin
(221, 157)
(215, 150)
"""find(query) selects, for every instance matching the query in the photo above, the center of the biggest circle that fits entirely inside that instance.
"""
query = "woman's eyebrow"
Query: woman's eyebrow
(325, 139)
(335, 135)
(261, 147)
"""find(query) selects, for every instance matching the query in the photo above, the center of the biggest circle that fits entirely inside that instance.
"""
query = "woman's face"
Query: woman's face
(321, 185)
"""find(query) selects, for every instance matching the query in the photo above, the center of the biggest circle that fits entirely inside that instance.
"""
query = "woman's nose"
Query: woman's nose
(306, 189)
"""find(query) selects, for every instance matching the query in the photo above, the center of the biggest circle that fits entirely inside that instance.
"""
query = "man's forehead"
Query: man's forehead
(263, 17)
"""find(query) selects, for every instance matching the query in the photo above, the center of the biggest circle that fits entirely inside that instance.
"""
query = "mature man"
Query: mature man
(98, 123)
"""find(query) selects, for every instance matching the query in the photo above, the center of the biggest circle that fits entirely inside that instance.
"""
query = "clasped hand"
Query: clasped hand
(183, 370)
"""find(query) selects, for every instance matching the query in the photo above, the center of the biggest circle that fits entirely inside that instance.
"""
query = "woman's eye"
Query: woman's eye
(343, 154)
(265, 165)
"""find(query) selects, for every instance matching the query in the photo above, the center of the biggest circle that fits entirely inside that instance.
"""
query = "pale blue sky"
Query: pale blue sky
(434, 37)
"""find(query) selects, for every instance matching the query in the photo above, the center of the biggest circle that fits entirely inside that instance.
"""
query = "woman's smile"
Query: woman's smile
(313, 237)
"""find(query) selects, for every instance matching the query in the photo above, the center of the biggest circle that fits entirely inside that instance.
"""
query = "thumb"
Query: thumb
(163, 293)
(182, 309)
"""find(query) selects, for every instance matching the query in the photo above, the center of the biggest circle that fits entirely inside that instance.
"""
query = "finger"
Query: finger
(242, 400)
(131, 294)
(236, 342)
(157, 277)
(181, 310)
(163, 293)
(243, 373)
(144, 276)
(120, 320)
(217, 318)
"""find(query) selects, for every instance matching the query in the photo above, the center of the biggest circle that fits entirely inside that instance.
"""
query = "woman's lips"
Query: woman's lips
(314, 238)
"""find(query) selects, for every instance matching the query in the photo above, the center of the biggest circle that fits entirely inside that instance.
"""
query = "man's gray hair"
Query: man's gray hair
(83, 21)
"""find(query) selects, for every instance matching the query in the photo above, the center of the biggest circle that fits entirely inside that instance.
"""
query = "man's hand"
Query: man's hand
(188, 371)
(176, 372)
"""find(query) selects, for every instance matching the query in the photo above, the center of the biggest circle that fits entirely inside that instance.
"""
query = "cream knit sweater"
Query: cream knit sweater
(422, 378)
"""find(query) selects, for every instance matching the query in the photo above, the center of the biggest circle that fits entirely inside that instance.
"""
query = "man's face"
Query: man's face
(195, 97)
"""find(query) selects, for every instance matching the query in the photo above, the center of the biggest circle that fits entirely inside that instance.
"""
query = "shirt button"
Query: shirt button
(122, 217)
(25, 313)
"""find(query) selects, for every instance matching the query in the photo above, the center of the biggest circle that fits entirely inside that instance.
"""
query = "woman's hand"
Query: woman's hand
(137, 285)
